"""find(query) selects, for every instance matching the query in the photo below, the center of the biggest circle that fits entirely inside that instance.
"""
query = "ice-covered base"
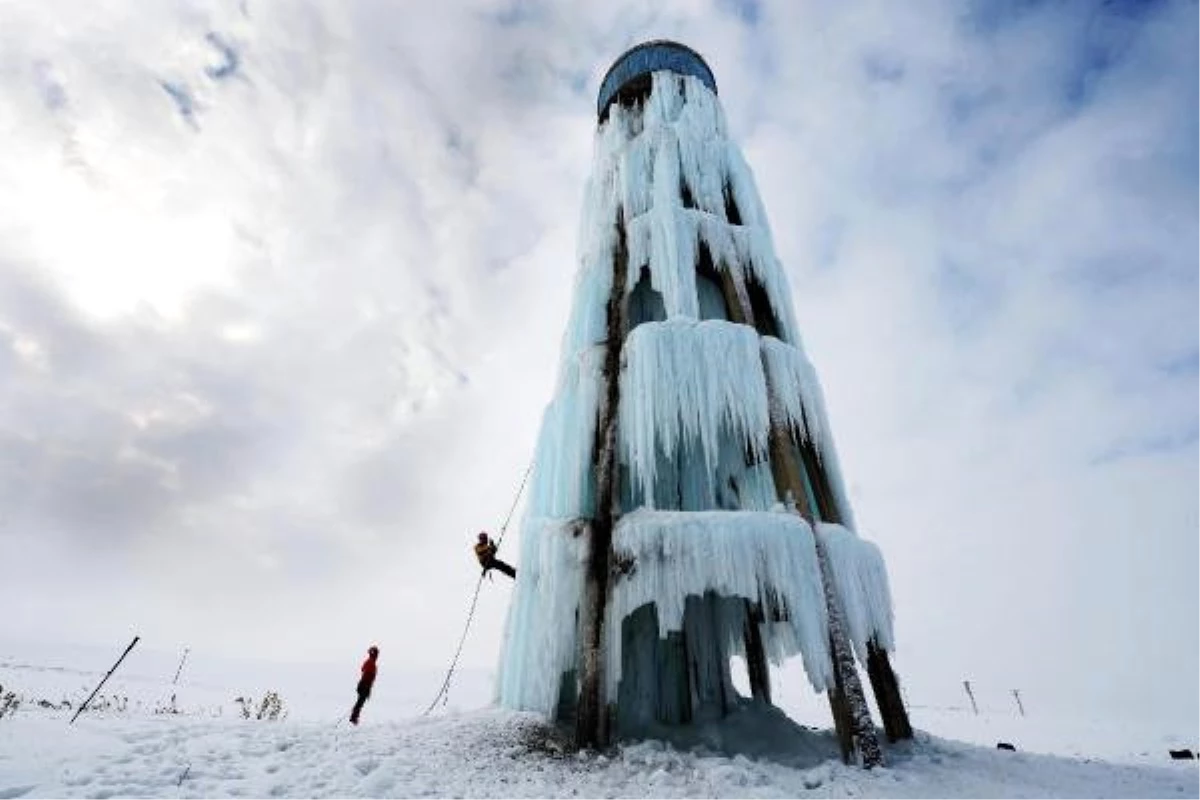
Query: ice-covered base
(766, 558)
(684, 586)
(752, 729)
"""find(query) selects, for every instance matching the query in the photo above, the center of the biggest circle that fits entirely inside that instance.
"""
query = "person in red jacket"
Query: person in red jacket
(365, 683)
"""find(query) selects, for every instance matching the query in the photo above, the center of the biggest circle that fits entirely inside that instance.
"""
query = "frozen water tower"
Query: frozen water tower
(686, 505)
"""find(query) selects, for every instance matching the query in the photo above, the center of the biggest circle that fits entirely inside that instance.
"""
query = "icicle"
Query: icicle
(795, 389)
(562, 484)
(687, 380)
(719, 237)
(763, 557)
(701, 135)
(860, 579)
(753, 241)
(540, 632)
(597, 242)
(666, 98)
(701, 111)
(637, 167)
(756, 487)
(797, 394)
(673, 254)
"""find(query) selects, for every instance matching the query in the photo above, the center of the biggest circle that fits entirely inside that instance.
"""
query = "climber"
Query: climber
(365, 683)
(485, 551)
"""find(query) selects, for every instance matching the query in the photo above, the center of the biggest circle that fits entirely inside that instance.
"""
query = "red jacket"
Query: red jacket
(368, 674)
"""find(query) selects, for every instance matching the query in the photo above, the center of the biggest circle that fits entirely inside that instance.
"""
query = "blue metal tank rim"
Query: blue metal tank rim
(648, 57)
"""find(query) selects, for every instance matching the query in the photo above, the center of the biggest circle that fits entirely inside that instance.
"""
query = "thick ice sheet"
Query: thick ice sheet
(540, 634)
(562, 484)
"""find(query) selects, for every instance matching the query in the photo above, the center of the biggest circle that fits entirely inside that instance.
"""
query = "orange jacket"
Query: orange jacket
(485, 552)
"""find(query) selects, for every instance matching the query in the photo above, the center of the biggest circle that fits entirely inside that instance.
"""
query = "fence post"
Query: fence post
(1017, 694)
(106, 677)
(180, 667)
(970, 694)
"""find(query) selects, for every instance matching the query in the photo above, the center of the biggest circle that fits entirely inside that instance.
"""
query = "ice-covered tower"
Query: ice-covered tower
(686, 504)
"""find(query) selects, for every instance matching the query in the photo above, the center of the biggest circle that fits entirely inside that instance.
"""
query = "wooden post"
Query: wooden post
(848, 704)
(756, 656)
(179, 669)
(591, 719)
(884, 683)
(853, 701)
(1020, 707)
(970, 694)
(104, 680)
(887, 694)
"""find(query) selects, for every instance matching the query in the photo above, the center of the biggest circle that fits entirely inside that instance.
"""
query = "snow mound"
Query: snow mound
(493, 753)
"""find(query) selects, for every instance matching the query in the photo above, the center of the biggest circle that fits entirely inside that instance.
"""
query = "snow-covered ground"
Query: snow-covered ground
(464, 749)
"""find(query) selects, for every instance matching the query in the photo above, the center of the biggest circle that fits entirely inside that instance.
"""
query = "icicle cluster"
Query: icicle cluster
(763, 557)
(860, 581)
(690, 381)
(797, 399)
(643, 159)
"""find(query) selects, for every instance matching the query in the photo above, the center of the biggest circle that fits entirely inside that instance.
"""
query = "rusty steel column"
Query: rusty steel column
(591, 720)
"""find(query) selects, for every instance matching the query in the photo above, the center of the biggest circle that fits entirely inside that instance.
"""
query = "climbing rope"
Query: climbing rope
(443, 694)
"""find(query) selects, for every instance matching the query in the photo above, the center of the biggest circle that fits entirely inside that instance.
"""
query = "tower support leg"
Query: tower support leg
(592, 716)
(887, 694)
(756, 658)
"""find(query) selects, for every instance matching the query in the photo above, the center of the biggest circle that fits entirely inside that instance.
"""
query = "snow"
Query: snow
(481, 752)
(763, 557)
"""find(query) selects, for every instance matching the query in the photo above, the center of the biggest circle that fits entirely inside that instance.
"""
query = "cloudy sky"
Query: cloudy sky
(282, 287)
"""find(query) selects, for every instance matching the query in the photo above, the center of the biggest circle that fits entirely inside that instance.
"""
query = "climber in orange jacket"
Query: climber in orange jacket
(485, 551)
